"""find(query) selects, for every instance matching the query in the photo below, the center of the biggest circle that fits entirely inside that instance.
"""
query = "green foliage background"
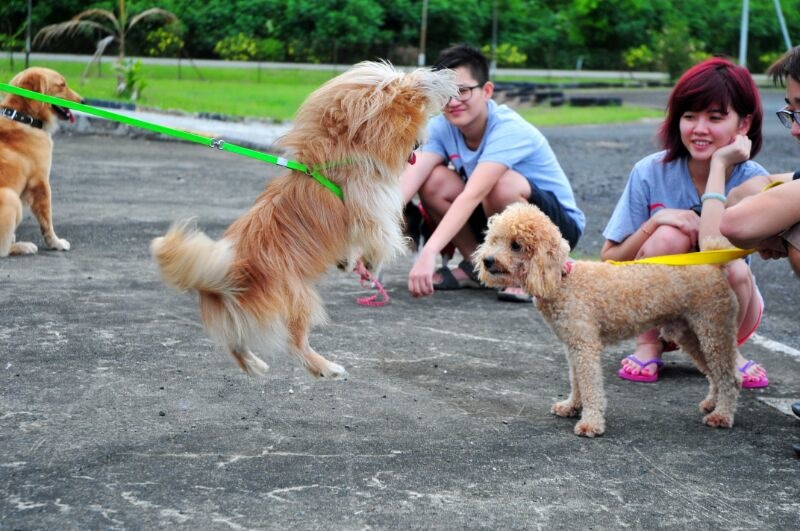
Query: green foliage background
(658, 35)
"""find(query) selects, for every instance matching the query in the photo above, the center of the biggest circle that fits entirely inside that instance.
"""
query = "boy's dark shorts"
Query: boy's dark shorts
(547, 203)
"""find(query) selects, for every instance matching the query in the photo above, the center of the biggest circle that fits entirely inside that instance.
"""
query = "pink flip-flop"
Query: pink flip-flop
(643, 378)
(749, 382)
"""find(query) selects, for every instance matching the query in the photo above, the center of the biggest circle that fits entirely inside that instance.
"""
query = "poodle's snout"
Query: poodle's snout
(488, 262)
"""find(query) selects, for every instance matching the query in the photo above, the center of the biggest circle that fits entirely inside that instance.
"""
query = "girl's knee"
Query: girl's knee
(666, 240)
(739, 274)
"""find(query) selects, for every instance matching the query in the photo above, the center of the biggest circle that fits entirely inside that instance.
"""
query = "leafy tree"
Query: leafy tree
(105, 22)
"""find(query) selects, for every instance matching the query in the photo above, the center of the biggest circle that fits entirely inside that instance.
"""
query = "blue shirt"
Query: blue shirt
(511, 141)
(654, 185)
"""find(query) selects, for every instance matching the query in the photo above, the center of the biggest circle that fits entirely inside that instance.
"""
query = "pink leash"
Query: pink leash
(368, 282)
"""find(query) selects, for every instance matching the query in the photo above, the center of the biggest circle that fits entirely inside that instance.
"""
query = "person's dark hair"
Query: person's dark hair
(715, 82)
(464, 55)
(788, 65)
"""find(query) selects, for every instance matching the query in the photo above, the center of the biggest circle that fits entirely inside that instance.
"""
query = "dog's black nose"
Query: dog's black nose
(488, 262)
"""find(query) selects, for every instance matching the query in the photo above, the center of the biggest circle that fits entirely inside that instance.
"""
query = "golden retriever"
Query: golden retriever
(592, 304)
(26, 153)
(256, 283)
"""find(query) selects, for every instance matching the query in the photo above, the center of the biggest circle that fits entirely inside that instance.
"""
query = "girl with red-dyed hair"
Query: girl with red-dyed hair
(712, 128)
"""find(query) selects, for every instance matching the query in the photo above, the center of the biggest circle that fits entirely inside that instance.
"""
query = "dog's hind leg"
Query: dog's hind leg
(298, 326)
(249, 362)
(681, 334)
(716, 344)
(10, 218)
(39, 197)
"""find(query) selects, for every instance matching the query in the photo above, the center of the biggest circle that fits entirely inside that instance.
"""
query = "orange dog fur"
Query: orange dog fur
(592, 304)
(26, 154)
(256, 283)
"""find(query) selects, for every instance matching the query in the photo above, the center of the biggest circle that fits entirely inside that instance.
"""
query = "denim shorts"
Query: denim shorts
(547, 203)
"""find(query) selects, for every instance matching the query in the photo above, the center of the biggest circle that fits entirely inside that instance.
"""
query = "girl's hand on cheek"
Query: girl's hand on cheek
(735, 152)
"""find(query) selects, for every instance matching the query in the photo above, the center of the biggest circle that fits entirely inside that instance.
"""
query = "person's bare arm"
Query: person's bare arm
(414, 175)
(684, 220)
(629, 247)
(480, 183)
(755, 185)
(713, 199)
(758, 217)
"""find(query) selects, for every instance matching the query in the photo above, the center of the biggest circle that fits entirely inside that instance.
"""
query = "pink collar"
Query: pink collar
(567, 269)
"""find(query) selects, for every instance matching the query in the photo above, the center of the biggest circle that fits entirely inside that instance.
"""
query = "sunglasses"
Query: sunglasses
(786, 117)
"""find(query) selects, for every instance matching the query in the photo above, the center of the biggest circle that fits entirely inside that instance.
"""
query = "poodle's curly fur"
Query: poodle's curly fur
(592, 304)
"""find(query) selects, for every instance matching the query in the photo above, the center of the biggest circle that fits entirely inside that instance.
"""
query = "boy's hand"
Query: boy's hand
(420, 278)
(772, 248)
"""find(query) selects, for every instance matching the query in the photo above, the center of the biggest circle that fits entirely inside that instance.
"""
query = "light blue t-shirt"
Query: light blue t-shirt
(511, 141)
(653, 185)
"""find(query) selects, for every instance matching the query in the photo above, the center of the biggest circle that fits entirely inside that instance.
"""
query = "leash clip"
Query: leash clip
(216, 143)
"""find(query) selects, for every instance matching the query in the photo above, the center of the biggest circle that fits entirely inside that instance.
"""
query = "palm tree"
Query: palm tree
(115, 27)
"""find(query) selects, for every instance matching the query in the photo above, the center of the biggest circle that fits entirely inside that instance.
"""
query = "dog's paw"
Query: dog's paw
(333, 371)
(707, 405)
(58, 244)
(715, 419)
(565, 408)
(586, 428)
(23, 248)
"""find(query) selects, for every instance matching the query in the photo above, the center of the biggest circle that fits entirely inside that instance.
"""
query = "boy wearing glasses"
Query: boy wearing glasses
(756, 220)
(479, 158)
(759, 220)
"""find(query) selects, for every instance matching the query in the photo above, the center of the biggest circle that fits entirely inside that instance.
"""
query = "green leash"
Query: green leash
(183, 135)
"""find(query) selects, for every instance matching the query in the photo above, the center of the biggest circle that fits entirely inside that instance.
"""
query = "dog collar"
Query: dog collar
(567, 269)
(13, 114)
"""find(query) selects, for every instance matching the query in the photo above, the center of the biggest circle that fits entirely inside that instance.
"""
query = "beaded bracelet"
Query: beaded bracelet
(713, 195)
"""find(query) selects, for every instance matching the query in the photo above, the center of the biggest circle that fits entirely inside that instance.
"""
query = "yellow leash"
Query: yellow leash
(720, 256)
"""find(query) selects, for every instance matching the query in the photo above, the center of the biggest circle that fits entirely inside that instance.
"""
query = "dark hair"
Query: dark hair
(788, 65)
(464, 55)
(715, 82)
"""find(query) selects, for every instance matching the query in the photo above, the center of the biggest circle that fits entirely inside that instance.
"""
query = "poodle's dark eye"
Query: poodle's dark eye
(515, 246)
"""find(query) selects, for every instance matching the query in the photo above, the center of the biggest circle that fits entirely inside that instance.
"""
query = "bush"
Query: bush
(508, 55)
(271, 50)
(238, 47)
(162, 42)
(639, 58)
(132, 81)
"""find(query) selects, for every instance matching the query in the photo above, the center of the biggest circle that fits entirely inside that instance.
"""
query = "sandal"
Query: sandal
(450, 282)
(510, 296)
(751, 382)
(642, 378)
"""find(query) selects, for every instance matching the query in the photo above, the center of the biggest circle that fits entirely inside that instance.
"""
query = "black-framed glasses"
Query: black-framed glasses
(787, 117)
(465, 93)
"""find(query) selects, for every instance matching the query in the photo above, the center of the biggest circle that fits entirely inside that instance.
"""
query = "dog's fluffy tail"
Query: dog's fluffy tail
(190, 260)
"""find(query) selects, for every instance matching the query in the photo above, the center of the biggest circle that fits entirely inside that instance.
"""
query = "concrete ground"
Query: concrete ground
(117, 411)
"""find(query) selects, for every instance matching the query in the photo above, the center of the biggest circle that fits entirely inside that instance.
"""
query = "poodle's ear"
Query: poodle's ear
(545, 268)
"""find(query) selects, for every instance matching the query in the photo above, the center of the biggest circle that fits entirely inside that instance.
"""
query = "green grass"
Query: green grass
(269, 94)
(543, 115)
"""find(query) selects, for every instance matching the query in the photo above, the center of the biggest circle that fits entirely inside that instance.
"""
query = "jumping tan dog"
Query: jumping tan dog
(256, 283)
(26, 152)
(592, 304)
